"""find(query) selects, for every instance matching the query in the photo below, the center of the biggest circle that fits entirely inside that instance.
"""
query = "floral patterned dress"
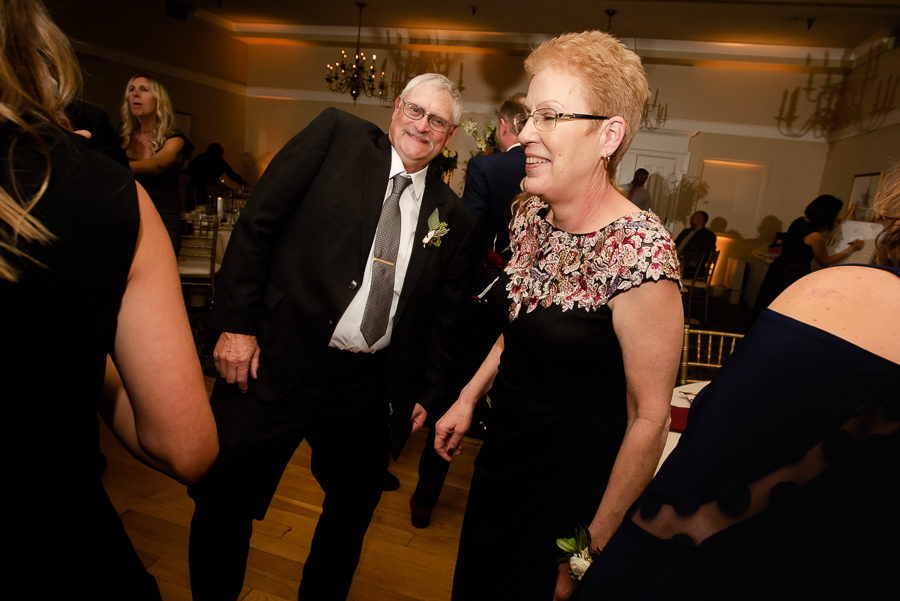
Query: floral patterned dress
(558, 411)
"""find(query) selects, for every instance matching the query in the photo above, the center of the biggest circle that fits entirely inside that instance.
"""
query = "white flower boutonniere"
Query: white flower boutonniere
(436, 230)
(578, 552)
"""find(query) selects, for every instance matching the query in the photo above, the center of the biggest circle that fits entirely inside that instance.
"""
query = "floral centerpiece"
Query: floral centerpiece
(446, 162)
(486, 141)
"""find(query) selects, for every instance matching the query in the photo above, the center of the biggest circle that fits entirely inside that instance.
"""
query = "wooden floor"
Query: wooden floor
(399, 562)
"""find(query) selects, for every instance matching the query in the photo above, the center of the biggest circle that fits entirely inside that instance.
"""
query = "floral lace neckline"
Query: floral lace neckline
(550, 266)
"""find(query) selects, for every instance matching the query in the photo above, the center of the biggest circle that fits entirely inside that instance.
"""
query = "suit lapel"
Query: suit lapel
(374, 184)
(421, 255)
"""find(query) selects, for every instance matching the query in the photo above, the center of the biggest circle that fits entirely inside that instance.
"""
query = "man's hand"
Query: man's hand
(236, 355)
(418, 417)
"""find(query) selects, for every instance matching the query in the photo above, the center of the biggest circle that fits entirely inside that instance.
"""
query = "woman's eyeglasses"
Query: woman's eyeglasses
(545, 119)
(435, 122)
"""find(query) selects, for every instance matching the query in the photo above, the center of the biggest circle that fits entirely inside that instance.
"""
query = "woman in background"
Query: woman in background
(86, 272)
(804, 242)
(785, 483)
(581, 378)
(155, 149)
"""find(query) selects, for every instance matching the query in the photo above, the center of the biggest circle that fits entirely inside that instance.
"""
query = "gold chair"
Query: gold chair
(697, 281)
(197, 257)
(706, 351)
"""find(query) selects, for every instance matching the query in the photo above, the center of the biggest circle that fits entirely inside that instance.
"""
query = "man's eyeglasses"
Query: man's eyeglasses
(435, 122)
(545, 119)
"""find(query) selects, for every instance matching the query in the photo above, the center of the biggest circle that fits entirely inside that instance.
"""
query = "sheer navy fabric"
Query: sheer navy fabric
(784, 484)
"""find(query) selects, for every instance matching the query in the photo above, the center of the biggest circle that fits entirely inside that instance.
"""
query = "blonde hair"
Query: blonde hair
(39, 77)
(887, 207)
(165, 116)
(612, 75)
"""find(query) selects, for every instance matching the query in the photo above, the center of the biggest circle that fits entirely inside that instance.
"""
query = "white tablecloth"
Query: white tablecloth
(679, 400)
(224, 235)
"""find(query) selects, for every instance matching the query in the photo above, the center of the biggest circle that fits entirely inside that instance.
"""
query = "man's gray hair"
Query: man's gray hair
(442, 81)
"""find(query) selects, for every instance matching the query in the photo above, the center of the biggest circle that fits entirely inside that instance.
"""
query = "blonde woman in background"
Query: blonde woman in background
(155, 149)
(86, 273)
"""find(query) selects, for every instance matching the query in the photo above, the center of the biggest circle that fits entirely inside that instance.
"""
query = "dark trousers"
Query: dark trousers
(341, 409)
(432, 472)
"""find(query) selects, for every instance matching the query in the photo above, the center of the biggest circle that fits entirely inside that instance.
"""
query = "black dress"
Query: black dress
(62, 536)
(558, 410)
(783, 486)
(792, 264)
(165, 192)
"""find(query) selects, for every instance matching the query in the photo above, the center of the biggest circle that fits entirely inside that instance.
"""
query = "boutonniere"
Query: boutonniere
(436, 230)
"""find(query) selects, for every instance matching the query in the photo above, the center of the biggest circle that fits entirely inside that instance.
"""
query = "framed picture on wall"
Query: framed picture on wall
(862, 193)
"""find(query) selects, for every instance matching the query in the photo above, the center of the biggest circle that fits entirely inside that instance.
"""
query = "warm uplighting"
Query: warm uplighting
(357, 76)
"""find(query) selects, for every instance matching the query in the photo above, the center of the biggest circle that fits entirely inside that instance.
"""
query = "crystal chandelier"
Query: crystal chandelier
(357, 76)
(655, 114)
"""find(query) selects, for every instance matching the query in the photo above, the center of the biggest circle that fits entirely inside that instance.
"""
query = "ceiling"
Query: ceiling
(807, 23)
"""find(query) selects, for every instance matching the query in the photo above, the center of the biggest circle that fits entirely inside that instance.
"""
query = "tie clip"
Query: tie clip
(383, 261)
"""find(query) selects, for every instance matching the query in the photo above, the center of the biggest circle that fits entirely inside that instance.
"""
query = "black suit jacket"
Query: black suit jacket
(703, 241)
(492, 182)
(298, 254)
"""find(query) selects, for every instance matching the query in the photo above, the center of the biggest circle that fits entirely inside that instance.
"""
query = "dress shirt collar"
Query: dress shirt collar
(511, 146)
(418, 178)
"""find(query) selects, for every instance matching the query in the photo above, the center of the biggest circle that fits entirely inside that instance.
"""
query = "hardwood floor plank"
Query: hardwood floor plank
(398, 562)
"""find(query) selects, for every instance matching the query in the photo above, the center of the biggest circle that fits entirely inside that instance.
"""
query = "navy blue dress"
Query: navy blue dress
(784, 484)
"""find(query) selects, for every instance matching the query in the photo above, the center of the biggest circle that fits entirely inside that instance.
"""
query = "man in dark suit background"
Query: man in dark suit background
(293, 306)
(697, 238)
(693, 241)
(492, 182)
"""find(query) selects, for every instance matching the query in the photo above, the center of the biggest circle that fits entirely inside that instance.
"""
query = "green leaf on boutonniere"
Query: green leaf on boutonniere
(433, 220)
(436, 229)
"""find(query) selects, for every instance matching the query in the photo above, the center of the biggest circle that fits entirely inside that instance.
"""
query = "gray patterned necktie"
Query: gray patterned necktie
(387, 242)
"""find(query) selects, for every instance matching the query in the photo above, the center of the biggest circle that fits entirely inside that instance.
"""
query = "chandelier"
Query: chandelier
(356, 77)
(858, 96)
(655, 114)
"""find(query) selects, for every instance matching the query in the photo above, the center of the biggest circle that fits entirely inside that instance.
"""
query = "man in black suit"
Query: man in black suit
(298, 354)
(693, 241)
(492, 182)
(697, 238)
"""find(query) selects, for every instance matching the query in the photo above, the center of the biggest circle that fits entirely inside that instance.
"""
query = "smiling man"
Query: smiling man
(337, 322)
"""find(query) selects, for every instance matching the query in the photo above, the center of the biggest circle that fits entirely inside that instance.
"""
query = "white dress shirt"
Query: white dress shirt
(347, 335)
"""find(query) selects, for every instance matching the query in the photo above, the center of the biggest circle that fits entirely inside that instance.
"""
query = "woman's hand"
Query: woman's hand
(856, 245)
(565, 586)
(144, 160)
(450, 429)
(598, 533)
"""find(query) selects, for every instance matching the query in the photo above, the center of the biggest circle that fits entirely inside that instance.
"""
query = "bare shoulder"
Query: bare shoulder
(859, 304)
